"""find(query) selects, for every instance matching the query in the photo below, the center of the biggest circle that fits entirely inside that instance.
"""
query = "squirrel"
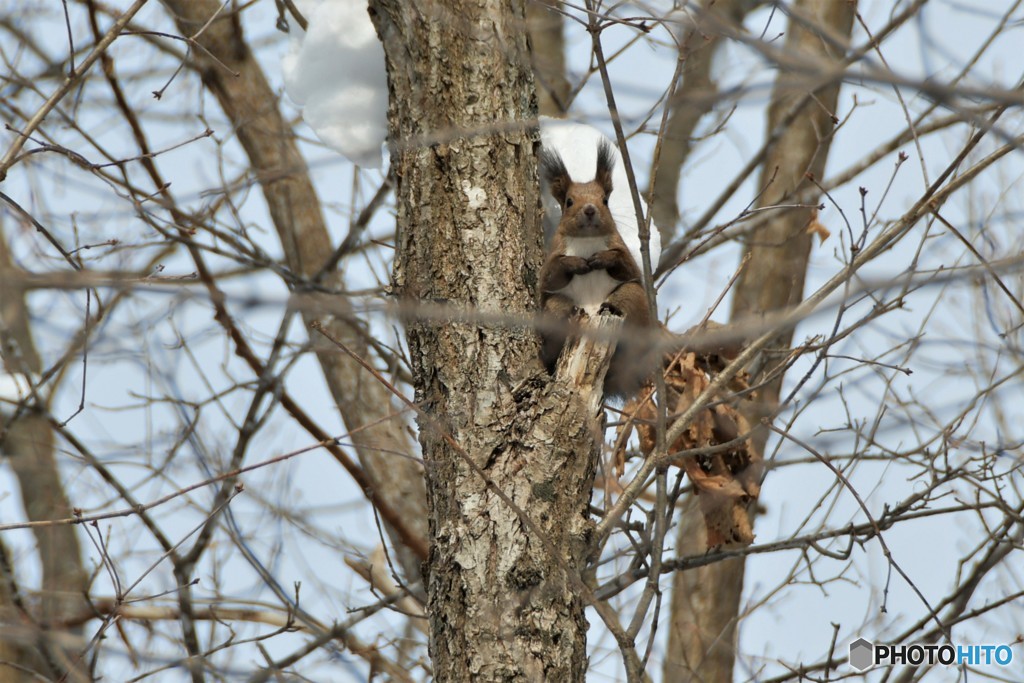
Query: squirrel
(590, 268)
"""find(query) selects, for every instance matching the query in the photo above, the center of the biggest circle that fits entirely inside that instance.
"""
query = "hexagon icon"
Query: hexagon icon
(862, 654)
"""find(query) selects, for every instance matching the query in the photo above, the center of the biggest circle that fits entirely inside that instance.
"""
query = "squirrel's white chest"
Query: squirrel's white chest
(585, 247)
(591, 290)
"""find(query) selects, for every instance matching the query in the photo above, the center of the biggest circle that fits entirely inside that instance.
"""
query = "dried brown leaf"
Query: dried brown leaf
(727, 482)
(814, 227)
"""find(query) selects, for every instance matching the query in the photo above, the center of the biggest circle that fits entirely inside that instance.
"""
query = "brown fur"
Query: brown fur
(586, 244)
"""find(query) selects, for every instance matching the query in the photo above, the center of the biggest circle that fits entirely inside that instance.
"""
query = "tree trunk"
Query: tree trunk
(28, 444)
(692, 101)
(366, 407)
(547, 49)
(706, 601)
(509, 456)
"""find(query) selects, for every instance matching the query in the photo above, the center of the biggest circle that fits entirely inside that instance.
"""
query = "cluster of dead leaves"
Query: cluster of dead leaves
(726, 470)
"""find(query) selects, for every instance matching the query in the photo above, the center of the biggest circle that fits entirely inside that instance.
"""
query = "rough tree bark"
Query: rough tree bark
(706, 601)
(250, 103)
(509, 456)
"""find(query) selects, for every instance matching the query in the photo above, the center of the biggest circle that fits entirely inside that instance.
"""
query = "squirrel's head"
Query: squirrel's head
(584, 205)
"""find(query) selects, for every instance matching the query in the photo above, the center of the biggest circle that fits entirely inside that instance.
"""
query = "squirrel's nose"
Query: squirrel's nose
(589, 210)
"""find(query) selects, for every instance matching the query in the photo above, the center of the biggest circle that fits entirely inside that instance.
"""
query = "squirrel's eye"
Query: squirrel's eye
(568, 202)
(606, 200)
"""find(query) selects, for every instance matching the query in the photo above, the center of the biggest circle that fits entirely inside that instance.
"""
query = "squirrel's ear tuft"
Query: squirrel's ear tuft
(605, 164)
(553, 171)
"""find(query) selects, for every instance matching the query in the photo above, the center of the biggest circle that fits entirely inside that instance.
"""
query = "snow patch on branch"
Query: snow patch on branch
(336, 72)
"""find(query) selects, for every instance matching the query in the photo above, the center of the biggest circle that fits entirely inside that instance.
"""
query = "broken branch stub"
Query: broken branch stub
(585, 359)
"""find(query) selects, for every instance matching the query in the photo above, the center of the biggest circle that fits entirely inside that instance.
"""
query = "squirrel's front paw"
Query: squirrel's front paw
(603, 260)
(575, 265)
